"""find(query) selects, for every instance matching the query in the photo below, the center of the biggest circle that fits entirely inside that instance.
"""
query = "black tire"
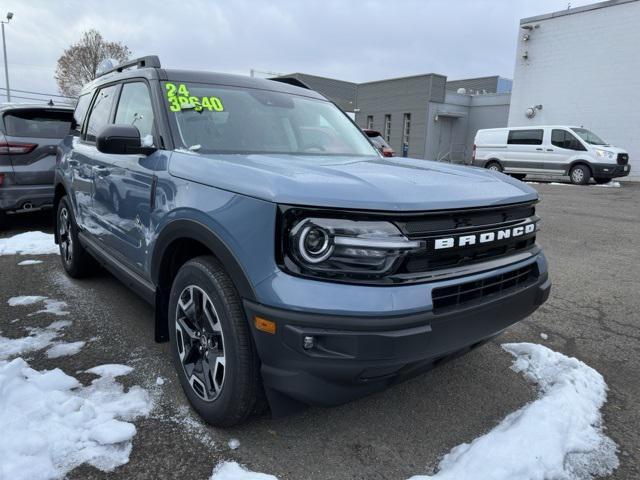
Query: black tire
(602, 180)
(198, 341)
(493, 165)
(580, 174)
(77, 262)
(518, 176)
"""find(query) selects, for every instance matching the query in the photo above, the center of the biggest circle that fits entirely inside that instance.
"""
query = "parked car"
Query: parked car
(378, 140)
(550, 150)
(286, 260)
(29, 135)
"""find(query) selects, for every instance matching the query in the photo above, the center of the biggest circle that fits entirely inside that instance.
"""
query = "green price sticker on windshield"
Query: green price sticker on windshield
(179, 99)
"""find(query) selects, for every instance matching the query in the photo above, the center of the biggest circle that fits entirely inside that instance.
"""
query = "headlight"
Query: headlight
(339, 247)
(605, 154)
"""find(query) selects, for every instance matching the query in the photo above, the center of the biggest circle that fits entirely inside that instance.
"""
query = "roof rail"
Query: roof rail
(150, 61)
(296, 82)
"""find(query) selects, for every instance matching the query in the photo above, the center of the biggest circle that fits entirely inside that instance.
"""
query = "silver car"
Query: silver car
(29, 137)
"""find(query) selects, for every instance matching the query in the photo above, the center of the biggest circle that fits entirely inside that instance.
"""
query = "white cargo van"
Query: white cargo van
(550, 150)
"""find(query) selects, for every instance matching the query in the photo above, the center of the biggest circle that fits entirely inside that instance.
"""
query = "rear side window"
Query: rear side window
(38, 123)
(80, 112)
(564, 139)
(525, 137)
(134, 108)
(99, 116)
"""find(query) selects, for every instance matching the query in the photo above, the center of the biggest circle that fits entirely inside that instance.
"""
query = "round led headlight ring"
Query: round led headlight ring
(314, 244)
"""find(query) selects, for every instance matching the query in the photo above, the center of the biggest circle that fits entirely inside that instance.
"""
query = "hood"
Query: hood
(369, 183)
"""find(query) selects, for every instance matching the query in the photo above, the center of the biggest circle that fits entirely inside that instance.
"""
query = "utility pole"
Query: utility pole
(4, 48)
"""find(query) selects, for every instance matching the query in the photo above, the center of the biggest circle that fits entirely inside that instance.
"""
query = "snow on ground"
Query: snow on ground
(29, 262)
(29, 243)
(63, 349)
(53, 307)
(23, 300)
(559, 435)
(37, 339)
(234, 471)
(610, 185)
(51, 423)
(544, 336)
(111, 370)
(234, 444)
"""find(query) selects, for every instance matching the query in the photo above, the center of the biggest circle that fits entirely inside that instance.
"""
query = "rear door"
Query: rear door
(525, 152)
(31, 139)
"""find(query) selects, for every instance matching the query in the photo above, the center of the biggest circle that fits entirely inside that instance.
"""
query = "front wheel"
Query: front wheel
(580, 175)
(211, 344)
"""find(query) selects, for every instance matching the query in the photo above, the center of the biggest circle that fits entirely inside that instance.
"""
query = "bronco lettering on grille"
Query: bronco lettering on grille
(483, 237)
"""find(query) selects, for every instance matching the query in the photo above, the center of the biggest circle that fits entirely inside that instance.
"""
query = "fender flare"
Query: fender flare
(194, 230)
(578, 161)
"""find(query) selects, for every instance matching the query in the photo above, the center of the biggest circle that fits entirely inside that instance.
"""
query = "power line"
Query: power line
(38, 93)
(36, 99)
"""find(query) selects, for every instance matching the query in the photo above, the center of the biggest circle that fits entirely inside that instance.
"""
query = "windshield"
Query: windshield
(221, 119)
(589, 136)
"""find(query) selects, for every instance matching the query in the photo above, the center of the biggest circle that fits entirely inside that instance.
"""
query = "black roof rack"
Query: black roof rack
(150, 61)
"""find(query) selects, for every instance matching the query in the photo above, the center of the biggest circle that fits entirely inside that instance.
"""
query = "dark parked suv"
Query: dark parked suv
(29, 135)
(288, 261)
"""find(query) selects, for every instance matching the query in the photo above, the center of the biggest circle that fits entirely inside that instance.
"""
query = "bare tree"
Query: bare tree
(79, 63)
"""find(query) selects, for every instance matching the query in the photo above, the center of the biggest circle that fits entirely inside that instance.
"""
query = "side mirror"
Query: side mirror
(121, 140)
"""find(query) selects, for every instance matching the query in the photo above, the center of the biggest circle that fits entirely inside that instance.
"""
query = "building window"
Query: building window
(406, 128)
(387, 128)
(370, 122)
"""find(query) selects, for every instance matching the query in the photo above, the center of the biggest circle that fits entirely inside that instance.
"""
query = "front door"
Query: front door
(123, 183)
(560, 151)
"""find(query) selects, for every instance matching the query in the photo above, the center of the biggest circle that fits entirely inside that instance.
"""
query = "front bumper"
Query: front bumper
(354, 356)
(14, 197)
(608, 170)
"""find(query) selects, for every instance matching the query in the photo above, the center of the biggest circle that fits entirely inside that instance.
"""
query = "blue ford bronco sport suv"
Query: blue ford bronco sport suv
(288, 261)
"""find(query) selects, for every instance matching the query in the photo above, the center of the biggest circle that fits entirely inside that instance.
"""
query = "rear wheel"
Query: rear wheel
(601, 180)
(494, 166)
(580, 175)
(76, 261)
(211, 344)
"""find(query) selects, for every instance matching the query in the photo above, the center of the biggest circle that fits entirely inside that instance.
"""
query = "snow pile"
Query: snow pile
(53, 307)
(29, 243)
(24, 300)
(233, 471)
(37, 339)
(611, 184)
(560, 435)
(234, 444)
(63, 349)
(29, 262)
(51, 423)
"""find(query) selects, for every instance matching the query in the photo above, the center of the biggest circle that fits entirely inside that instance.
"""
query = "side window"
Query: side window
(134, 108)
(80, 112)
(100, 112)
(525, 137)
(564, 139)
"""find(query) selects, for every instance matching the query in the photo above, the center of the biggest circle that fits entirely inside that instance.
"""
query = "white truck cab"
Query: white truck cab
(550, 150)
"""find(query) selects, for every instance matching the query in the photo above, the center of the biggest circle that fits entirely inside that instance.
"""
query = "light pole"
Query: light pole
(4, 47)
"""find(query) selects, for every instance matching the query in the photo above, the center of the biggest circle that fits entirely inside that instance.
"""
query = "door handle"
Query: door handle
(549, 149)
(539, 148)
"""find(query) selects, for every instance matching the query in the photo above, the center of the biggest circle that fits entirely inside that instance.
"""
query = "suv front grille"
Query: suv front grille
(468, 293)
(473, 222)
(623, 159)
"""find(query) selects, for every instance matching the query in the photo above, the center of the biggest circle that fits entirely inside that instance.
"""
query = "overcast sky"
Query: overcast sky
(345, 39)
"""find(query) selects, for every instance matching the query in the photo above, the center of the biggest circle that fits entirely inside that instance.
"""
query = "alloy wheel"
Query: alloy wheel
(200, 343)
(64, 235)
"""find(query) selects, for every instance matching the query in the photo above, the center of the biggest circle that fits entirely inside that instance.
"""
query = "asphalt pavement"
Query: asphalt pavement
(591, 236)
